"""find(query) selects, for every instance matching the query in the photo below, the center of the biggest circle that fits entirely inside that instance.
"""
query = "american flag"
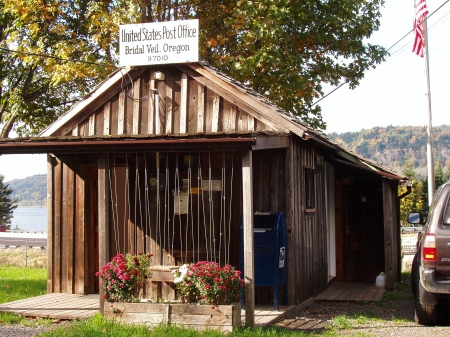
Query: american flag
(419, 36)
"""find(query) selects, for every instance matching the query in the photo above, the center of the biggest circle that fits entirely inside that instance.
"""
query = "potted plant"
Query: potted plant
(209, 299)
(123, 279)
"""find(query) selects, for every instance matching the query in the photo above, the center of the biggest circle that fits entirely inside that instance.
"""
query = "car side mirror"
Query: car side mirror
(415, 218)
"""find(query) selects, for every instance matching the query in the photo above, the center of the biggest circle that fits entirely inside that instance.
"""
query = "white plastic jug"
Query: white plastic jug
(380, 282)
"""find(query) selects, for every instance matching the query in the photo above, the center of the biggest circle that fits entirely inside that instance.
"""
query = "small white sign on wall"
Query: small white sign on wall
(158, 43)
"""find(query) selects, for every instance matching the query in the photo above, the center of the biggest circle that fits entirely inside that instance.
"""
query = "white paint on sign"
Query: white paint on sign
(158, 43)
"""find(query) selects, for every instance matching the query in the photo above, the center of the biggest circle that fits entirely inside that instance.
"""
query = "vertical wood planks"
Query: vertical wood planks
(80, 256)
(103, 214)
(107, 118)
(169, 104)
(183, 103)
(151, 104)
(389, 251)
(215, 113)
(121, 114)
(136, 106)
(92, 125)
(68, 212)
(201, 109)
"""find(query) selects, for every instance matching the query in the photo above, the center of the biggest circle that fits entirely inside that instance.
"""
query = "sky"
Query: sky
(394, 93)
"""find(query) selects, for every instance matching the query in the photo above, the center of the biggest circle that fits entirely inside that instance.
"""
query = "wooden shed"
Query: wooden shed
(170, 160)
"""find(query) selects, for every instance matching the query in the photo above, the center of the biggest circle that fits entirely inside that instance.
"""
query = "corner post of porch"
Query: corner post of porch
(249, 269)
(103, 216)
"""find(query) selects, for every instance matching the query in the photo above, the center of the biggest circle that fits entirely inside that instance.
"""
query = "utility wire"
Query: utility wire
(56, 57)
(343, 83)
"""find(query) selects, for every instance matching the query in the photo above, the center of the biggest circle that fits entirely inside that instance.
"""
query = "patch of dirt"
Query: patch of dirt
(393, 316)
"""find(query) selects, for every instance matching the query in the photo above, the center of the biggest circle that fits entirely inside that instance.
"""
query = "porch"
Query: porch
(72, 306)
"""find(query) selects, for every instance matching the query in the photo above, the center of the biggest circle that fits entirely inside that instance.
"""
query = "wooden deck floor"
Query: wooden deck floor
(71, 306)
(59, 306)
(351, 291)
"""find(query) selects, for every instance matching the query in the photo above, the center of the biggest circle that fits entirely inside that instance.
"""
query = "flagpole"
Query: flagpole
(430, 162)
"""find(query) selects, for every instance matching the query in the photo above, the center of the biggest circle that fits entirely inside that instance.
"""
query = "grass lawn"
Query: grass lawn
(17, 282)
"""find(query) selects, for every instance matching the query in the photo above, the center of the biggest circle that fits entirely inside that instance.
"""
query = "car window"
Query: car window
(446, 219)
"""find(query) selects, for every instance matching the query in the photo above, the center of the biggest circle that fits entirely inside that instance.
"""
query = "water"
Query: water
(30, 219)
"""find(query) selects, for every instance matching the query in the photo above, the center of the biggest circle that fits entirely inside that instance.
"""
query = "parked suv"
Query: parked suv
(430, 272)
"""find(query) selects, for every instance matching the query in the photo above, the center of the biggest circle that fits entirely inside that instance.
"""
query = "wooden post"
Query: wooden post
(103, 216)
(249, 269)
(50, 219)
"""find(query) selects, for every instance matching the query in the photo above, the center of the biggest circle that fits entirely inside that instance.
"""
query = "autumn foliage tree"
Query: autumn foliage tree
(415, 201)
(285, 50)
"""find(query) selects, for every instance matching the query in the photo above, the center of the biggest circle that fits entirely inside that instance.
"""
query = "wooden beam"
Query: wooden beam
(271, 142)
(103, 215)
(50, 220)
(249, 268)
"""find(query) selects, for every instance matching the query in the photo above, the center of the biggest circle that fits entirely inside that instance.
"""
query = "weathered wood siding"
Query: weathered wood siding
(307, 238)
(70, 232)
(392, 237)
(185, 107)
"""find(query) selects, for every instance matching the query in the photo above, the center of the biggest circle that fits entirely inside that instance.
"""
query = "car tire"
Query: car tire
(425, 314)
(414, 273)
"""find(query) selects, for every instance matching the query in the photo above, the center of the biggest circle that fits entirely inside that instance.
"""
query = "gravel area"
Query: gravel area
(390, 317)
(18, 330)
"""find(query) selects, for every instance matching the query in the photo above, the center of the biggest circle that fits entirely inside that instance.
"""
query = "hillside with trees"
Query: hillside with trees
(30, 191)
(392, 146)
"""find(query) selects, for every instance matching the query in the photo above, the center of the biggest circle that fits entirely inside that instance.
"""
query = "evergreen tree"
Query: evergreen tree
(439, 178)
(7, 204)
(447, 174)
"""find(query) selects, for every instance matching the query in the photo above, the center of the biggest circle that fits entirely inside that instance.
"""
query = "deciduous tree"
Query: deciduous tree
(415, 201)
(285, 50)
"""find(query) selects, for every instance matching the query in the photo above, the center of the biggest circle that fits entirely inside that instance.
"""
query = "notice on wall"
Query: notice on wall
(282, 257)
(180, 203)
(158, 43)
(212, 185)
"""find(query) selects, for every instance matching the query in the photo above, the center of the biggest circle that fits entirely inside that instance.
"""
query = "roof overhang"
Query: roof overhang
(78, 145)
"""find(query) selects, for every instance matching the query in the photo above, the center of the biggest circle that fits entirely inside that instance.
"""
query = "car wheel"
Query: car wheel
(425, 314)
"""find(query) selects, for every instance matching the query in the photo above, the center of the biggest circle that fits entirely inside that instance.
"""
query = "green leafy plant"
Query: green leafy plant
(122, 279)
(207, 283)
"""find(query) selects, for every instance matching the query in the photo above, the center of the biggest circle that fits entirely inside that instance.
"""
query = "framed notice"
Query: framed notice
(180, 203)
(212, 185)
(158, 43)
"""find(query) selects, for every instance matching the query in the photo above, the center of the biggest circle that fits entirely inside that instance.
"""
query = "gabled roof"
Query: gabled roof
(244, 98)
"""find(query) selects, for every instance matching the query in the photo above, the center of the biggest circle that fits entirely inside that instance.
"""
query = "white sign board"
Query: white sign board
(158, 43)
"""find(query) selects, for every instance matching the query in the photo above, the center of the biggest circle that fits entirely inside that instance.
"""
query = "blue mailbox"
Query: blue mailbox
(270, 245)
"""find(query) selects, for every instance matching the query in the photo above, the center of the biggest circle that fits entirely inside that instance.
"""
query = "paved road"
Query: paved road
(22, 242)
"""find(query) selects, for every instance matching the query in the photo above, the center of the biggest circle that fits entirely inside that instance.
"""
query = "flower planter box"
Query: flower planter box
(200, 317)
